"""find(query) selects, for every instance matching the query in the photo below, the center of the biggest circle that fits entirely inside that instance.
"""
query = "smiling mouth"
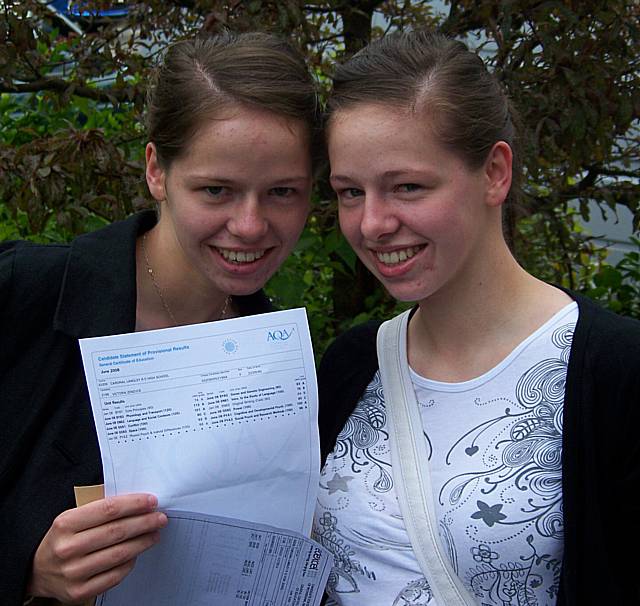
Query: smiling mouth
(241, 256)
(398, 256)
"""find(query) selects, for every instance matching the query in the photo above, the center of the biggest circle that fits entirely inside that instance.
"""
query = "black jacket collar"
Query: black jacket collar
(98, 294)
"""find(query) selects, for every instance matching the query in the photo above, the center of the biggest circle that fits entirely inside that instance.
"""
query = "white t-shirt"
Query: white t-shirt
(495, 461)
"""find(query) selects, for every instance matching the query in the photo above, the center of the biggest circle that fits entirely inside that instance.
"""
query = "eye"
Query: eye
(349, 193)
(407, 188)
(216, 190)
(282, 192)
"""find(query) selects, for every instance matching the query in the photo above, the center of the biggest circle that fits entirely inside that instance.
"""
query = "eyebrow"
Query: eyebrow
(389, 174)
(220, 180)
(288, 180)
(339, 178)
(401, 173)
(226, 181)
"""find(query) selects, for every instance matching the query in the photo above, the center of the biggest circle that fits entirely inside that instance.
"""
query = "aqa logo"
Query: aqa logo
(230, 346)
(279, 335)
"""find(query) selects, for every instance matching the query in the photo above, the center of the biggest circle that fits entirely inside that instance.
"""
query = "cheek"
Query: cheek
(448, 219)
(195, 230)
(191, 231)
(349, 220)
(290, 223)
(200, 220)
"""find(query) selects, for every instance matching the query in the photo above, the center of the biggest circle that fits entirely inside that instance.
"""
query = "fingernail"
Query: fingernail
(163, 520)
(152, 500)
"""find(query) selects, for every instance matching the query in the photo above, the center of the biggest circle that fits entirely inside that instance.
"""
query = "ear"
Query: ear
(155, 174)
(498, 167)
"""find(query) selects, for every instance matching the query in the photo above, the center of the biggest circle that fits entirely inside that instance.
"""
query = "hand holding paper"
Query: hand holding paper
(91, 548)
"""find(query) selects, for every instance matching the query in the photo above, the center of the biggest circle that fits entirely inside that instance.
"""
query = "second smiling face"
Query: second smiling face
(411, 209)
(235, 203)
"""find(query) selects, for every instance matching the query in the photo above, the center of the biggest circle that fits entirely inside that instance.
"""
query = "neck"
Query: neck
(166, 296)
(465, 329)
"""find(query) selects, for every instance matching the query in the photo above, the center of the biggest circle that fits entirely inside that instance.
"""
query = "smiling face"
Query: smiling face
(417, 216)
(234, 204)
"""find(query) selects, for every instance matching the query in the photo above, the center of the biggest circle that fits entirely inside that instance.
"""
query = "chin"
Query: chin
(403, 298)
(242, 290)
(243, 285)
(408, 295)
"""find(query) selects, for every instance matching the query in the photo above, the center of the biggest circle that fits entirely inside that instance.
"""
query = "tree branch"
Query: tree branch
(59, 85)
(613, 172)
(460, 22)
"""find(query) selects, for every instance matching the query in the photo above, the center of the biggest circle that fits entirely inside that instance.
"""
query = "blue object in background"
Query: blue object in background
(74, 10)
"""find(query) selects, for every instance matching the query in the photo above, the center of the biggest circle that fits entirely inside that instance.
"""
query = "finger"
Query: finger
(117, 531)
(74, 546)
(99, 583)
(101, 511)
(112, 557)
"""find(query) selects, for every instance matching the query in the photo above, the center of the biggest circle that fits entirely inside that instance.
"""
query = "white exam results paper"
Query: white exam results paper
(218, 418)
(224, 563)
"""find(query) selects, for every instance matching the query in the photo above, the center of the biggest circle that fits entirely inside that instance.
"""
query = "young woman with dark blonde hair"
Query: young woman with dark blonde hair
(482, 447)
(232, 133)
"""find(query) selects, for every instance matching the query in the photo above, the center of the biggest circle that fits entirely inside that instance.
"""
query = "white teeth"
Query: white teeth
(397, 255)
(241, 256)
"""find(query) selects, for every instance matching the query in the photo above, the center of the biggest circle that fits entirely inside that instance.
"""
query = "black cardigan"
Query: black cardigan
(49, 297)
(600, 454)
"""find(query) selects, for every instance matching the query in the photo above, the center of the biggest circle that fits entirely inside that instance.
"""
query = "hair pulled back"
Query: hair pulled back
(440, 79)
(202, 77)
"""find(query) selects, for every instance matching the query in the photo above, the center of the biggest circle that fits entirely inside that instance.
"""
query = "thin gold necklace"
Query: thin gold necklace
(159, 290)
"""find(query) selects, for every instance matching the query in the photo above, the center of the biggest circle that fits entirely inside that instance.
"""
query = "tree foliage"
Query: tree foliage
(71, 135)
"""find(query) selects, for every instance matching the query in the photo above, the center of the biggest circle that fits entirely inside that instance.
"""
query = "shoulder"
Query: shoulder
(40, 267)
(32, 253)
(31, 277)
(31, 272)
(346, 369)
(603, 370)
(606, 338)
(352, 350)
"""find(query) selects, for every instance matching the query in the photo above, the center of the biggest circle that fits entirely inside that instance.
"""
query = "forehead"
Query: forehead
(247, 135)
(370, 119)
(380, 130)
(370, 141)
(253, 124)
(362, 112)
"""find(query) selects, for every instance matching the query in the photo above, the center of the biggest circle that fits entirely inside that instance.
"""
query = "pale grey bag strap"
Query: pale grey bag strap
(410, 465)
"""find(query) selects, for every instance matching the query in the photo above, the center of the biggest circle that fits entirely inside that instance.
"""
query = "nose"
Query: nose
(248, 222)
(378, 218)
